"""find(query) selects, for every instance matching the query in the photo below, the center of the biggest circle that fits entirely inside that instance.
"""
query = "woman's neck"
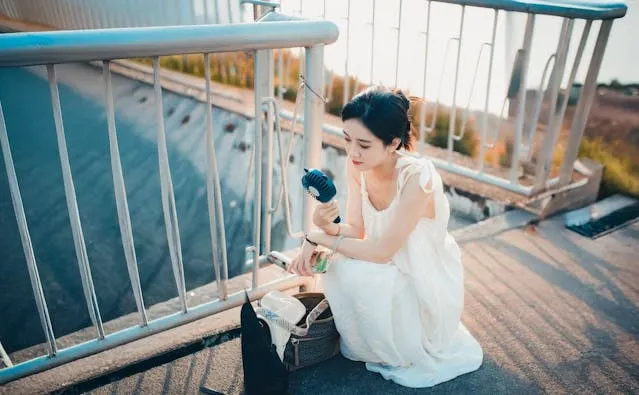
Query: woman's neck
(386, 170)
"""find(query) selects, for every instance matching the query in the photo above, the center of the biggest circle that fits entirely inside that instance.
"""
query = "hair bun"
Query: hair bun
(405, 102)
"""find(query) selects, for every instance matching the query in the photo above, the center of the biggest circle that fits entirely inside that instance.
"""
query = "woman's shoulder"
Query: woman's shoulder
(410, 164)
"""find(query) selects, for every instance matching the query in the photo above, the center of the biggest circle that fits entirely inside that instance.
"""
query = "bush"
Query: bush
(506, 156)
(619, 175)
(439, 137)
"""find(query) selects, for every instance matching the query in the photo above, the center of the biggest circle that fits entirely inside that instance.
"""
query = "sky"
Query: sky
(619, 62)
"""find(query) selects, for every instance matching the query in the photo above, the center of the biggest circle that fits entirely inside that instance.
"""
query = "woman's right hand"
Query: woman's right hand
(325, 213)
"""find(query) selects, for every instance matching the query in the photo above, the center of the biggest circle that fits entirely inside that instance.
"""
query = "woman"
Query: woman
(397, 292)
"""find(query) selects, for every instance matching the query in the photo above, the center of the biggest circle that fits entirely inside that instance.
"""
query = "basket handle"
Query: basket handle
(292, 328)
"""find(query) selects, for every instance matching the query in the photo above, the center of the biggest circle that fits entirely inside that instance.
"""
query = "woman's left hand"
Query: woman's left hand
(302, 264)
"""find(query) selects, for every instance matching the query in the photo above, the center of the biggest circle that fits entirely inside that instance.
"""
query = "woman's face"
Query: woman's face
(364, 149)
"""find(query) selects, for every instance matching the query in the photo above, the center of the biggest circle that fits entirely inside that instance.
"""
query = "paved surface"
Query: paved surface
(555, 312)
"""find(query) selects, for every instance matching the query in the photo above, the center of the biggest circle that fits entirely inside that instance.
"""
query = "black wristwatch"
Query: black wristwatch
(309, 241)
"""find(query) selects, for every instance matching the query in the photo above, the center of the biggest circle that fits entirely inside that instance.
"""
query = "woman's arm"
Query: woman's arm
(413, 205)
(353, 225)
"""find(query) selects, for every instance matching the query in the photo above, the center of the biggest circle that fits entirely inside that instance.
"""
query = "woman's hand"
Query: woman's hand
(325, 213)
(303, 263)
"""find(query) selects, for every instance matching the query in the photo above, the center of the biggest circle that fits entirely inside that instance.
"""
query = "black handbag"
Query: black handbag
(264, 372)
(314, 338)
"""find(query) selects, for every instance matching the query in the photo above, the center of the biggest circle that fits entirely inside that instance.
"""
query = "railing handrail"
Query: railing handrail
(580, 9)
(28, 49)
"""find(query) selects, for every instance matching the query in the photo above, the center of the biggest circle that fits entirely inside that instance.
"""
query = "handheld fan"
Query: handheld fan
(318, 185)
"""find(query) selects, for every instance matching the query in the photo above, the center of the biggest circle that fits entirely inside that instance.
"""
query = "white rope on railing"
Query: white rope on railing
(25, 237)
(168, 195)
(122, 205)
(72, 206)
(214, 193)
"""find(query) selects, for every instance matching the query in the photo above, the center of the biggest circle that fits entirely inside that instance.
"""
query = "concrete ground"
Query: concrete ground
(554, 312)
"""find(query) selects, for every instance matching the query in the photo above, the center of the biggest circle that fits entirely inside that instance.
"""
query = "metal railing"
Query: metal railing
(553, 86)
(51, 48)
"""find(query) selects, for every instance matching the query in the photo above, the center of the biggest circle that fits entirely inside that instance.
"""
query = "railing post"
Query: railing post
(25, 238)
(5, 357)
(313, 111)
(545, 156)
(585, 102)
(261, 77)
(267, 156)
(346, 92)
(521, 96)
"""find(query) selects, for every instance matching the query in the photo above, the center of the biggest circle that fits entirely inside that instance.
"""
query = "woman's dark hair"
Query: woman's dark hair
(384, 112)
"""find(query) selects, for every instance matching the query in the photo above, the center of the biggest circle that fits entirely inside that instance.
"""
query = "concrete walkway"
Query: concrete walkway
(555, 312)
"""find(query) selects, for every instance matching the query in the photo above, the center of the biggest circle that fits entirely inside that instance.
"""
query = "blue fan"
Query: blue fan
(318, 185)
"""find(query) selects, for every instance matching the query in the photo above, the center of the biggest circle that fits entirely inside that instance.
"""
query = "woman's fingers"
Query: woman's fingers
(330, 210)
(333, 213)
(307, 266)
(292, 268)
(302, 264)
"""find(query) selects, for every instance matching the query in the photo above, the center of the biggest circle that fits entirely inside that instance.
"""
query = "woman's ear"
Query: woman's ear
(397, 142)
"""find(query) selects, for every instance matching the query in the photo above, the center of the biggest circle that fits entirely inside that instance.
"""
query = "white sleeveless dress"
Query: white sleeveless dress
(403, 318)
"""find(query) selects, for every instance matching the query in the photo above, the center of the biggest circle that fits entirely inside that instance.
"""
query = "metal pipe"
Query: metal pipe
(313, 111)
(539, 97)
(25, 237)
(156, 326)
(422, 110)
(280, 74)
(267, 199)
(284, 166)
(24, 49)
(399, 35)
(453, 111)
(482, 177)
(272, 4)
(372, 64)
(260, 69)
(464, 123)
(585, 103)
(346, 88)
(72, 206)
(205, 4)
(556, 117)
(5, 357)
(484, 123)
(168, 196)
(214, 192)
(124, 218)
(521, 97)
(433, 122)
(229, 7)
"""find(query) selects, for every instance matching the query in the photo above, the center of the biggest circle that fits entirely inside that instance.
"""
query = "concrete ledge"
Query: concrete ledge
(494, 226)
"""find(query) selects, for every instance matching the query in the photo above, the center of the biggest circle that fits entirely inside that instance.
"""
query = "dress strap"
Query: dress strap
(429, 178)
